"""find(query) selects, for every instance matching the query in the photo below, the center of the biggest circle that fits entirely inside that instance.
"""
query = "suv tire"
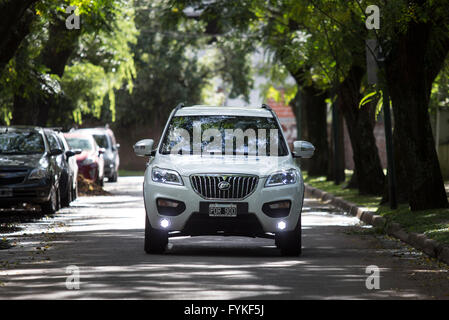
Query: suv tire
(290, 242)
(155, 240)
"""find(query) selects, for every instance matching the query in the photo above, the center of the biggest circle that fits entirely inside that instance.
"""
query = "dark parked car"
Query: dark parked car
(105, 139)
(67, 162)
(29, 172)
(73, 165)
(90, 160)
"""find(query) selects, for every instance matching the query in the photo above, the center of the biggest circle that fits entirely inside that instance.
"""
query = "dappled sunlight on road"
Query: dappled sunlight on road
(103, 237)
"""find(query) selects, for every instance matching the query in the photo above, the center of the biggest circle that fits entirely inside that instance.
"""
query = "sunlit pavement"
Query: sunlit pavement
(103, 237)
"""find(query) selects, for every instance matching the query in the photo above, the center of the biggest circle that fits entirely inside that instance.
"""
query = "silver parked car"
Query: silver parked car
(105, 139)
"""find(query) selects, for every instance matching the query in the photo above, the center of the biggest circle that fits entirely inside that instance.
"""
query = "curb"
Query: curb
(430, 247)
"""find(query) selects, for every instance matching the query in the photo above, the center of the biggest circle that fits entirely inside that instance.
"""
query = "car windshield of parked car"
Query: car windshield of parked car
(52, 140)
(224, 135)
(21, 142)
(80, 143)
(102, 140)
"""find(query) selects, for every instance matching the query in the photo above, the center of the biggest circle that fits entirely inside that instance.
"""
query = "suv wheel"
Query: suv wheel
(155, 240)
(290, 242)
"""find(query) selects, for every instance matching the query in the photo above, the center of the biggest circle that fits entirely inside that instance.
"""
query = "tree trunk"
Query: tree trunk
(15, 22)
(313, 101)
(411, 69)
(368, 169)
(337, 161)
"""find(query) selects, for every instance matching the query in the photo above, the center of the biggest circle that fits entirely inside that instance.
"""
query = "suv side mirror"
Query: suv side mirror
(143, 147)
(117, 146)
(303, 149)
(55, 152)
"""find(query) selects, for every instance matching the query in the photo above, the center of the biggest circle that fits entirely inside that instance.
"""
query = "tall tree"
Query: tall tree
(416, 39)
(51, 96)
(16, 17)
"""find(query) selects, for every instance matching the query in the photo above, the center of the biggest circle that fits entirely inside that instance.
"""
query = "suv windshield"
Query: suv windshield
(21, 142)
(224, 135)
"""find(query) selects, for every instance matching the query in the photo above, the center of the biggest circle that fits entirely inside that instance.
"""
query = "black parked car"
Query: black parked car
(29, 172)
(69, 169)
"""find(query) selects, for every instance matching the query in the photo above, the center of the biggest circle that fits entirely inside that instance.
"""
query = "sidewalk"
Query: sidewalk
(419, 241)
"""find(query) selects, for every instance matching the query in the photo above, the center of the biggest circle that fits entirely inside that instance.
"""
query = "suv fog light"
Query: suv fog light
(164, 223)
(282, 225)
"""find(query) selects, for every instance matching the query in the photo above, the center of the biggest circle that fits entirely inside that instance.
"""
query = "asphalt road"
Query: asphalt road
(103, 237)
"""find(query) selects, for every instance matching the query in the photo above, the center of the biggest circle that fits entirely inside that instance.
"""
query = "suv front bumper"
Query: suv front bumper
(194, 221)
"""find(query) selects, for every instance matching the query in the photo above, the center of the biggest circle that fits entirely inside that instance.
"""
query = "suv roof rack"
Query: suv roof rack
(267, 107)
(180, 105)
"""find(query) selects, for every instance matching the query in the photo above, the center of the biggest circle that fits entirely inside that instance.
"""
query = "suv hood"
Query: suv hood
(187, 165)
(20, 160)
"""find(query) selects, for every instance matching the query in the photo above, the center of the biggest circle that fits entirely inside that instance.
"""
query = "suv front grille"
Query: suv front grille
(239, 186)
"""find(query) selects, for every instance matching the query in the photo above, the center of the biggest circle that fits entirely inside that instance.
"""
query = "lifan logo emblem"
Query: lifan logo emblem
(224, 185)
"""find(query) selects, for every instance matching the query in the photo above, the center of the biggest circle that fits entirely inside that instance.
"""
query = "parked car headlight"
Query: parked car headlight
(38, 174)
(166, 176)
(282, 178)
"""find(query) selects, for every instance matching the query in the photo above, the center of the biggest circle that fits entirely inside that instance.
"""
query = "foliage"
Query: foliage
(104, 61)
(167, 66)
(107, 29)
(440, 89)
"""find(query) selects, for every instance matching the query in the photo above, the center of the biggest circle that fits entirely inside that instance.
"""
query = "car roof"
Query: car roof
(104, 131)
(79, 135)
(205, 110)
(21, 128)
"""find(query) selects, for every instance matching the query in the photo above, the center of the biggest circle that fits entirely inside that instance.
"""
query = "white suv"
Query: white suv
(223, 171)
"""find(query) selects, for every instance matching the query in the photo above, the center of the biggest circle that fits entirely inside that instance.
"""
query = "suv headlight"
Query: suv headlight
(38, 174)
(166, 176)
(282, 178)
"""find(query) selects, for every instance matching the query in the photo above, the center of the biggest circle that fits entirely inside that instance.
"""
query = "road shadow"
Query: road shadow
(113, 265)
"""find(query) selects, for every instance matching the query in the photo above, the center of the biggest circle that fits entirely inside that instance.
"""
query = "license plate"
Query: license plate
(5, 193)
(222, 210)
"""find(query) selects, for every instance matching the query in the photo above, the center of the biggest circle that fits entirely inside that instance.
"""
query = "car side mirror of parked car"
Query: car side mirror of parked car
(69, 153)
(55, 152)
(303, 149)
(143, 148)
(77, 151)
(117, 146)
(101, 151)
